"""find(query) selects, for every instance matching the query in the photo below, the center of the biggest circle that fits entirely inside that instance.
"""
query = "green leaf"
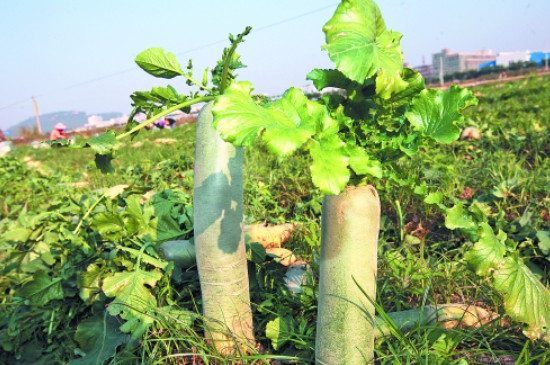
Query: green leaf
(181, 317)
(41, 289)
(159, 63)
(434, 198)
(135, 221)
(182, 252)
(99, 337)
(133, 300)
(103, 163)
(328, 78)
(89, 283)
(105, 143)
(525, 298)
(255, 252)
(360, 45)
(402, 98)
(455, 217)
(279, 331)
(115, 191)
(329, 169)
(167, 94)
(360, 162)
(487, 253)
(436, 113)
(544, 241)
(284, 125)
(109, 225)
(17, 235)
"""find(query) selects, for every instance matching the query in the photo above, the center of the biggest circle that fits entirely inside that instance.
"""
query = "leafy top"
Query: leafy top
(161, 101)
(379, 113)
(360, 45)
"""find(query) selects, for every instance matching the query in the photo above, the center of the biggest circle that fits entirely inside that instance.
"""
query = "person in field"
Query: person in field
(170, 123)
(160, 124)
(58, 132)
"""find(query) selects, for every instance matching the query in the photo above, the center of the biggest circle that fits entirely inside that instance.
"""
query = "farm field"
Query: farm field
(71, 235)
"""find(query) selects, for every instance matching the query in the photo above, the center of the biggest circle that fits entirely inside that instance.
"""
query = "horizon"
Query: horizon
(83, 56)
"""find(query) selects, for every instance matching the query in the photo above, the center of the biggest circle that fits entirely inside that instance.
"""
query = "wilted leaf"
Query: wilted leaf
(115, 191)
(525, 298)
(109, 225)
(133, 300)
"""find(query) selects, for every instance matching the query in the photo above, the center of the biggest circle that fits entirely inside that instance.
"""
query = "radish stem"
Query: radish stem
(345, 321)
(219, 242)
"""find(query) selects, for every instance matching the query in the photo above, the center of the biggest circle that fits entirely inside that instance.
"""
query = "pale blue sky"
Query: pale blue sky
(79, 55)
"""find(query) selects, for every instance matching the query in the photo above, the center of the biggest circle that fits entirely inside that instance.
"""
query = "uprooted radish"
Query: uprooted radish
(268, 236)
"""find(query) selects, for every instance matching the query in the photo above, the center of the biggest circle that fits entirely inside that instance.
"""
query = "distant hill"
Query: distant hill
(72, 119)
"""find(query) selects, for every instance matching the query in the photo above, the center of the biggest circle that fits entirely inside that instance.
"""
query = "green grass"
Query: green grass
(420, 261)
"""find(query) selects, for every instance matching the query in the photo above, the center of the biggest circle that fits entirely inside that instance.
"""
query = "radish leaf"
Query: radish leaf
(525, 298)
(158, 63)
(329, 169)
(132, 299)
(360, 45)
(285, 125)
(99, 337)
(455, 217)
(487, 253)
(42, 289)
(436, 113)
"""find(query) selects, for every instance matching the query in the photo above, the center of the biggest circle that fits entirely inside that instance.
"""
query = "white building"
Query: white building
(505, 58)
(94, 120)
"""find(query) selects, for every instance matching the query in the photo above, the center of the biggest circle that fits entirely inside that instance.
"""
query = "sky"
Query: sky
(79, 55)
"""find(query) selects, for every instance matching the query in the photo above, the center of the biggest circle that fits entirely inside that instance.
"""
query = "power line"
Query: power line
(204, 46)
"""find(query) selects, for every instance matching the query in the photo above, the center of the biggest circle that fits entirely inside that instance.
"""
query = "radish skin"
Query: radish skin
(449, 315)
(219, 243)
(268, 236)
(349, 241)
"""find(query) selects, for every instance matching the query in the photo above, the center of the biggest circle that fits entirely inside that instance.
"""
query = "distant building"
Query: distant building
(427, 71)
(460, 62)
(541, 58)
(505, 58)
(450, 63)
(96, 121)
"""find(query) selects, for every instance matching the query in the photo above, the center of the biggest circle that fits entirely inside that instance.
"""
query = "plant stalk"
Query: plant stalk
(219, 242)
(348, 265)
(163, 113)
